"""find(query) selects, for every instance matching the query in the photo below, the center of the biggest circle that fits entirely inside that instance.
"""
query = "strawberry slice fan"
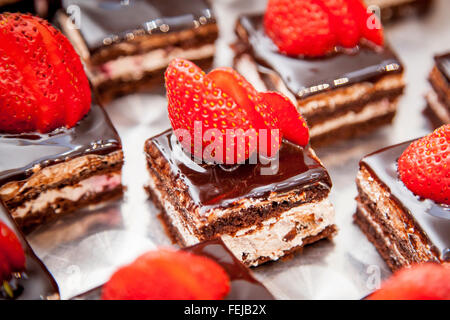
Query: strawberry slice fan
(212, 115)
(316, 27)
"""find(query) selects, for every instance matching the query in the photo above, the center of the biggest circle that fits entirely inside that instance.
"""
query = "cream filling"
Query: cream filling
(438, 108)
(267, 241)
(371, 110)
(87, 187)
(134, 67)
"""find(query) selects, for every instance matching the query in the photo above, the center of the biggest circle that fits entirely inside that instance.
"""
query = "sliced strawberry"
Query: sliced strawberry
(424, 167)
(343, 21)
(300, 27)
(43, 85)
(5, 268)
(11, 248)
(291, 122)
(369, 24)
(168, 275)
(421, 282)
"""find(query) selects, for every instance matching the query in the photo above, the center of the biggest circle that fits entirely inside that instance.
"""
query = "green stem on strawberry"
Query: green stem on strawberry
(8, 289)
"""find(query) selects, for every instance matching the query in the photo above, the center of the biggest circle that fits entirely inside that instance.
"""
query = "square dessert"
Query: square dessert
(392, 10)
(404, 228)
(45, 175)
(259, 217)
(243, 285)
(341, 94)
(127, 45)
(438, 98)
(35, 282)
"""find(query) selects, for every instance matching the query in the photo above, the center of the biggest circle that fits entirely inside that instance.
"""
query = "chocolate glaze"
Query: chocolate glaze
(305, 77)
(432, 218)
(109, 19)
(94, 134)
(212, 186)
(443, 64)
(243, 285)
(36, 282)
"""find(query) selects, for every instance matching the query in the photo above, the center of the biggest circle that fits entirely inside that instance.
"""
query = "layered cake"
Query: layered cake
(126, 45)
(29, 279)
(438, 98)
(340, 91)
(391, 10)
(407, 226)
(59, 150)
(261, 209)
(242, 284)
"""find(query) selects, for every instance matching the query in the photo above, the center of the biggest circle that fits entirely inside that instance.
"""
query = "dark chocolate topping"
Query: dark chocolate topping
(243, 285)
(36, 282)
(308, 76)
(94, 134)
(109, 21)
(443, 64)
(431, 217)
(212, 186)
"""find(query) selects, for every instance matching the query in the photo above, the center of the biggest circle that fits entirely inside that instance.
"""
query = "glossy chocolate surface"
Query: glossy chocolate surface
(106, 20)
(243, 285)
(19, 153)
(443, 64)
(305, 77)
(213, 186)
(36, 282)
(431, 217)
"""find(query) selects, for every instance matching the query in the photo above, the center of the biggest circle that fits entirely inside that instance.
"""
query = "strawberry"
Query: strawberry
(291, 123)
(168, 275)
(300, 27)
(424, 167)
(427, 281)
(343, 21)
(12, 256)
(5, 269)
(369, 24)
(42, 81)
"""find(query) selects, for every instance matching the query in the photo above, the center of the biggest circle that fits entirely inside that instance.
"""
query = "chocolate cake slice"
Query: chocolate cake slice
(45, 175)
(126, 45)
(244, 286)
(340, 95)
(438, 98)
(36, 282)
(259, 216)
(403, 228)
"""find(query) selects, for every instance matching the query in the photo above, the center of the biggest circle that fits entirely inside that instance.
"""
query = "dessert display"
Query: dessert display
(59, 151)
(392, 10)
(344, 79)
(263, 208)
(438, 98)
(22, 275)
(232, 280)
(127, 45)
(428, 281)
(403, 200)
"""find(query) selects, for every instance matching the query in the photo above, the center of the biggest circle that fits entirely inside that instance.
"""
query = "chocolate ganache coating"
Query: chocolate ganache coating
(36, 282)
(443, 65)
(305, 77)
(212, 186)
(432, 218)
(94, 134)
(103, 22)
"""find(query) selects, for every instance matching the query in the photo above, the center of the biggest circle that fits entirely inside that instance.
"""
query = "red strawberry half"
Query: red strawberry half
(421, 282)
(424, 167)
(12, 256)
(168, 275)
(43, 85)
(226, 102)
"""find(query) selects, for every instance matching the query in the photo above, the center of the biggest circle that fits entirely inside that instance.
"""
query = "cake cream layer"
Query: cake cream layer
(438, 98)
(414, 230)
(438, 109)
(240, 204)
(42, 175)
